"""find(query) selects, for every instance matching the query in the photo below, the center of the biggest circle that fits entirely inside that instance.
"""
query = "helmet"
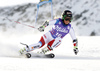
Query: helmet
(67, 15)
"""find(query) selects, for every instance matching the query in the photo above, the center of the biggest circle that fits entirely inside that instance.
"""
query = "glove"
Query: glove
(75, 43)
(75, 50)
(41, 28)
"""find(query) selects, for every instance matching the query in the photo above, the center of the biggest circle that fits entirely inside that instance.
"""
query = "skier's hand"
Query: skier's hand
(75, 50)
(45, 24)
(75, 43)
(41, 28)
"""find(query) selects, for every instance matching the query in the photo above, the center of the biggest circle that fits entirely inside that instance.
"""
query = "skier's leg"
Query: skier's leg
(44, 40)
(30, 47)
(33, 47)
(54, 43)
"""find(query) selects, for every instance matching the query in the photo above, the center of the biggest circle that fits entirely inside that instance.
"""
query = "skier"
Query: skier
(52, 38)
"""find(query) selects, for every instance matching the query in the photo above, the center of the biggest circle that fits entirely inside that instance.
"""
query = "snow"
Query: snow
(88, 58)
(36, 64)
(5, 3)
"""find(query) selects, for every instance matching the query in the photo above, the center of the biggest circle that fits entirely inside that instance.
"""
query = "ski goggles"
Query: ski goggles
(68, 17)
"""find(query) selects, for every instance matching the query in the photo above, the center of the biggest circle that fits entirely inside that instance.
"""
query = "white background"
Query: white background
(16, 2)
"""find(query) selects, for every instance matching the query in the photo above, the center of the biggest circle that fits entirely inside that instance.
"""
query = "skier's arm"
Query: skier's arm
(45, 24)
(75, 41)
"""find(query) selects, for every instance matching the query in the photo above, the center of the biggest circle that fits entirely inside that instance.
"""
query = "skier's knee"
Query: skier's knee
(54, 43)
(42, 42)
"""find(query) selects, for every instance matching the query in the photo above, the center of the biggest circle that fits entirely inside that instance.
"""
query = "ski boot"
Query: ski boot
(22, 51)
(25, 49)
(43, 50)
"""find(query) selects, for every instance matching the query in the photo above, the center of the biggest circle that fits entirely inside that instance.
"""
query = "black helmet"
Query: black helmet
(67, 15)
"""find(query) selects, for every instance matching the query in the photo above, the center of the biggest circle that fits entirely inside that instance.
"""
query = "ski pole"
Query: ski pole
(20, 23)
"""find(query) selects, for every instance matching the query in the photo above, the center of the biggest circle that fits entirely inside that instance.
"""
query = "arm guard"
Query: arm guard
(75, 43)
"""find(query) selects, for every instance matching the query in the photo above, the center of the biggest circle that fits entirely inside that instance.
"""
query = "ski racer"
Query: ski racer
(61, 27)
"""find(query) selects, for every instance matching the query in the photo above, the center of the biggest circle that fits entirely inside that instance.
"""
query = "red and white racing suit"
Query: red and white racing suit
(54, 37)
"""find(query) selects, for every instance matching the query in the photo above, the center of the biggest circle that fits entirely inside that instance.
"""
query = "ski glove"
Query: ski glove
(75, 43)
(41, 28)
(75, 50)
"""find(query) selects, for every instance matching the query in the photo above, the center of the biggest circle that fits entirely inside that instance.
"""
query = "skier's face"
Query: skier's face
(68, 18)
(66, 22)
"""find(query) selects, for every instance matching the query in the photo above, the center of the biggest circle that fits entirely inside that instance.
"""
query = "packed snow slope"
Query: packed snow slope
(86, 15)
(88, 58)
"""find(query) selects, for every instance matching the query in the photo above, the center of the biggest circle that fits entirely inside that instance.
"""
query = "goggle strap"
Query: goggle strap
(64, 17)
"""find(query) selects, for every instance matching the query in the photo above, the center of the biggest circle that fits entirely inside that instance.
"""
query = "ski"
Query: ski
(34, 54)
(29, 55)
